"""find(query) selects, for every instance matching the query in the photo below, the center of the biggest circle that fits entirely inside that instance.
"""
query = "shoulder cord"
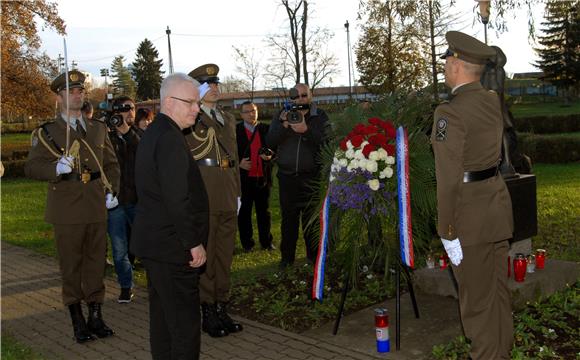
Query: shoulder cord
(75, 151)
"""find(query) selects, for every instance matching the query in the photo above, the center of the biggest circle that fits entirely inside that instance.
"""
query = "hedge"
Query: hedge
(548, 124)
(560, 148)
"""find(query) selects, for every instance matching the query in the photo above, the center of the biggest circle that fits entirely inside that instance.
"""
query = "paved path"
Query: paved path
(33, 313)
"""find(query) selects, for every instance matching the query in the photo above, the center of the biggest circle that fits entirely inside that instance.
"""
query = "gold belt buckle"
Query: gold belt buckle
(85, 176)
(224, 164)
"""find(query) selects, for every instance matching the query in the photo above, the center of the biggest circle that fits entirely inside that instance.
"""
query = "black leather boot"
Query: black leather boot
(210, 322)
(96, 324)
(227, 322)
(82, 333)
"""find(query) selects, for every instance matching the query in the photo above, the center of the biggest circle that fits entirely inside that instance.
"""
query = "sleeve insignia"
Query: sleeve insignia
(441, 130)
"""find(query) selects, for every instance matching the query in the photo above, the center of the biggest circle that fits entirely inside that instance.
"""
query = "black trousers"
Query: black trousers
(174, 310)
(296, 193)
(256, 192)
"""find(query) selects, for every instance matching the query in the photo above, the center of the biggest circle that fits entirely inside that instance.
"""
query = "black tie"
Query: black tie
(80, 129)
(214, 116)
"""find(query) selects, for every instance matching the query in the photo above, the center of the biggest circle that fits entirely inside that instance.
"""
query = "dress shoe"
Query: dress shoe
(227, 322)
(81, 332)
(210, 322)
(96, 324)
(125, 296)
(269, 247)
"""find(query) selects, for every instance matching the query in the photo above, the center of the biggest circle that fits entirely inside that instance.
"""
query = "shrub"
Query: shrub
(14, 168)
(548, 124)
(550, 149)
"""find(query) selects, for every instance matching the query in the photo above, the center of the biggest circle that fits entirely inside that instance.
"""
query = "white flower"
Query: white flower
(374, 155)
(343, 162)
(365, 268)
(334, 168)
(331, 178)
(372, 166)
(390, 160)
(362, 163)
(382, 154)
(388, 172)
(335, 160)
(374, 184)
(349, 154)
(363, 144)
(349, 145)
(382, 174)
(369, 276)
(359, 154)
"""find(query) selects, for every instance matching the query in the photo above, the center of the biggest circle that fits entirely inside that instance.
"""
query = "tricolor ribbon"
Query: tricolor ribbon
(404, 198)
(318, 285)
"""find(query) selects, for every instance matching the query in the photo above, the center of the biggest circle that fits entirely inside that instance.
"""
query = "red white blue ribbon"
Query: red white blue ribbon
(404, 198)
(318, 285)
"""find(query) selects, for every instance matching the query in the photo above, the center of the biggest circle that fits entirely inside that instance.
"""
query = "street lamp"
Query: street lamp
(484, 14)
(346, 25)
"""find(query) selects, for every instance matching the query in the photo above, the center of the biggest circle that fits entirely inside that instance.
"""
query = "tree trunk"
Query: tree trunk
(304, 51)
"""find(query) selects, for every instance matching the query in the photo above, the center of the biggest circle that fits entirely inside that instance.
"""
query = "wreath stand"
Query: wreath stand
(397, 272)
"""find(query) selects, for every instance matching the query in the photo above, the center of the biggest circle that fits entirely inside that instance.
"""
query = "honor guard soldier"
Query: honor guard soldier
(81, 182)
(212, 141)
(474, 207)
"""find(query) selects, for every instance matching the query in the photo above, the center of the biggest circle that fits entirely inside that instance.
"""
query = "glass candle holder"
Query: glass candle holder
(540, 258)
(520, 266)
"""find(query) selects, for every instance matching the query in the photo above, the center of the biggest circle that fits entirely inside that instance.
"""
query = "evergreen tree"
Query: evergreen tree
(123, 83)
(560, 51)
(147, 72)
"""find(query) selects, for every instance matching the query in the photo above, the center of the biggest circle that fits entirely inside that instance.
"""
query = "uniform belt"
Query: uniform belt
(84, 177)
(225, 163)
(471, 176)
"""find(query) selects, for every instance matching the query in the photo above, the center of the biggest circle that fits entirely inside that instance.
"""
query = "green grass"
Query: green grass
(13, 350)
(545, 109)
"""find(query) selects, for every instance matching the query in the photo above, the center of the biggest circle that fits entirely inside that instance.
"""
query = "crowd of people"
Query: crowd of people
(175, 190)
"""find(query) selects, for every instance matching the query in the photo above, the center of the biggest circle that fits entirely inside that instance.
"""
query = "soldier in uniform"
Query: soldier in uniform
(81, 183)
(212, 141)
(474, 207)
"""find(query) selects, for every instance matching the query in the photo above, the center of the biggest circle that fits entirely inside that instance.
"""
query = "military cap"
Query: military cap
(76, 79)
(206, 73)
(467, 48)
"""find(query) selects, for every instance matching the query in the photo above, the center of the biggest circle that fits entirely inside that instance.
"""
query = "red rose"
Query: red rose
(378, 139)
(343, 146)
(390, 149)
(371, 129)
(389, 129)
(356, 140)
(368, 149)
(359, 129)
(375, 121)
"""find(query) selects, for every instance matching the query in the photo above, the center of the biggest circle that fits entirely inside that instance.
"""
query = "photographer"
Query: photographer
(125, 140)
(297, 135)
(255, 176)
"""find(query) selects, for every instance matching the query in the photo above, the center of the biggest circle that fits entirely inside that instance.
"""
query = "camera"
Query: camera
(112, 113)
(265, 151)
(293, 109)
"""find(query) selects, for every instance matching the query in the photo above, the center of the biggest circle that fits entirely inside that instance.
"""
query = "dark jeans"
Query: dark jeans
(296, 193)
(255, 191)
(174, 310)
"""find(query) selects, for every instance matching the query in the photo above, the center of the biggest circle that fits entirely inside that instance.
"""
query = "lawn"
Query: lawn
(545, 109)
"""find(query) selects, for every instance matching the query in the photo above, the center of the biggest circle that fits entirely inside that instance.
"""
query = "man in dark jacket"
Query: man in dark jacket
(172, 223)
(120, 219)
(298, 149)
(255, 176)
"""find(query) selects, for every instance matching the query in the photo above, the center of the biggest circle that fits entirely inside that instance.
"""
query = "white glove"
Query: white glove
(203, 89)
(239, 204)
(111, 201)
(453, 249)
(64, 165)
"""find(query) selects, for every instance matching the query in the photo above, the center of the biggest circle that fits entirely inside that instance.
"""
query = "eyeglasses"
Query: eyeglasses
(190, 102)
(300, 96)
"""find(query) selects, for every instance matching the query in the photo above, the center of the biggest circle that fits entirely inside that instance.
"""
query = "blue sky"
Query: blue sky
(97, 31)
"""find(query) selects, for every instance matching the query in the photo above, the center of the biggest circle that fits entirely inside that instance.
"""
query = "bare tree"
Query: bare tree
(249, 66)
(292, 11)
(232, 84)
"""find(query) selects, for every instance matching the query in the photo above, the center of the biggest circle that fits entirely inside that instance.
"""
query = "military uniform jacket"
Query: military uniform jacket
(222, 184)
(467, 134)
(72, 201)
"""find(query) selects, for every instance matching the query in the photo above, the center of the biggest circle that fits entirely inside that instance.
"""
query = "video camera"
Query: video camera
(293, 109)
(112, 113)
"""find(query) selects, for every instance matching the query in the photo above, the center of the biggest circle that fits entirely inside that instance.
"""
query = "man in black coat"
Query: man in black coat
(255, 177)
(172, 223)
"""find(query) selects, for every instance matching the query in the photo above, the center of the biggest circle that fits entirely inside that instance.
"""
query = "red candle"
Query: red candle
(540, 258)
(520, 266)
(443, 262)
